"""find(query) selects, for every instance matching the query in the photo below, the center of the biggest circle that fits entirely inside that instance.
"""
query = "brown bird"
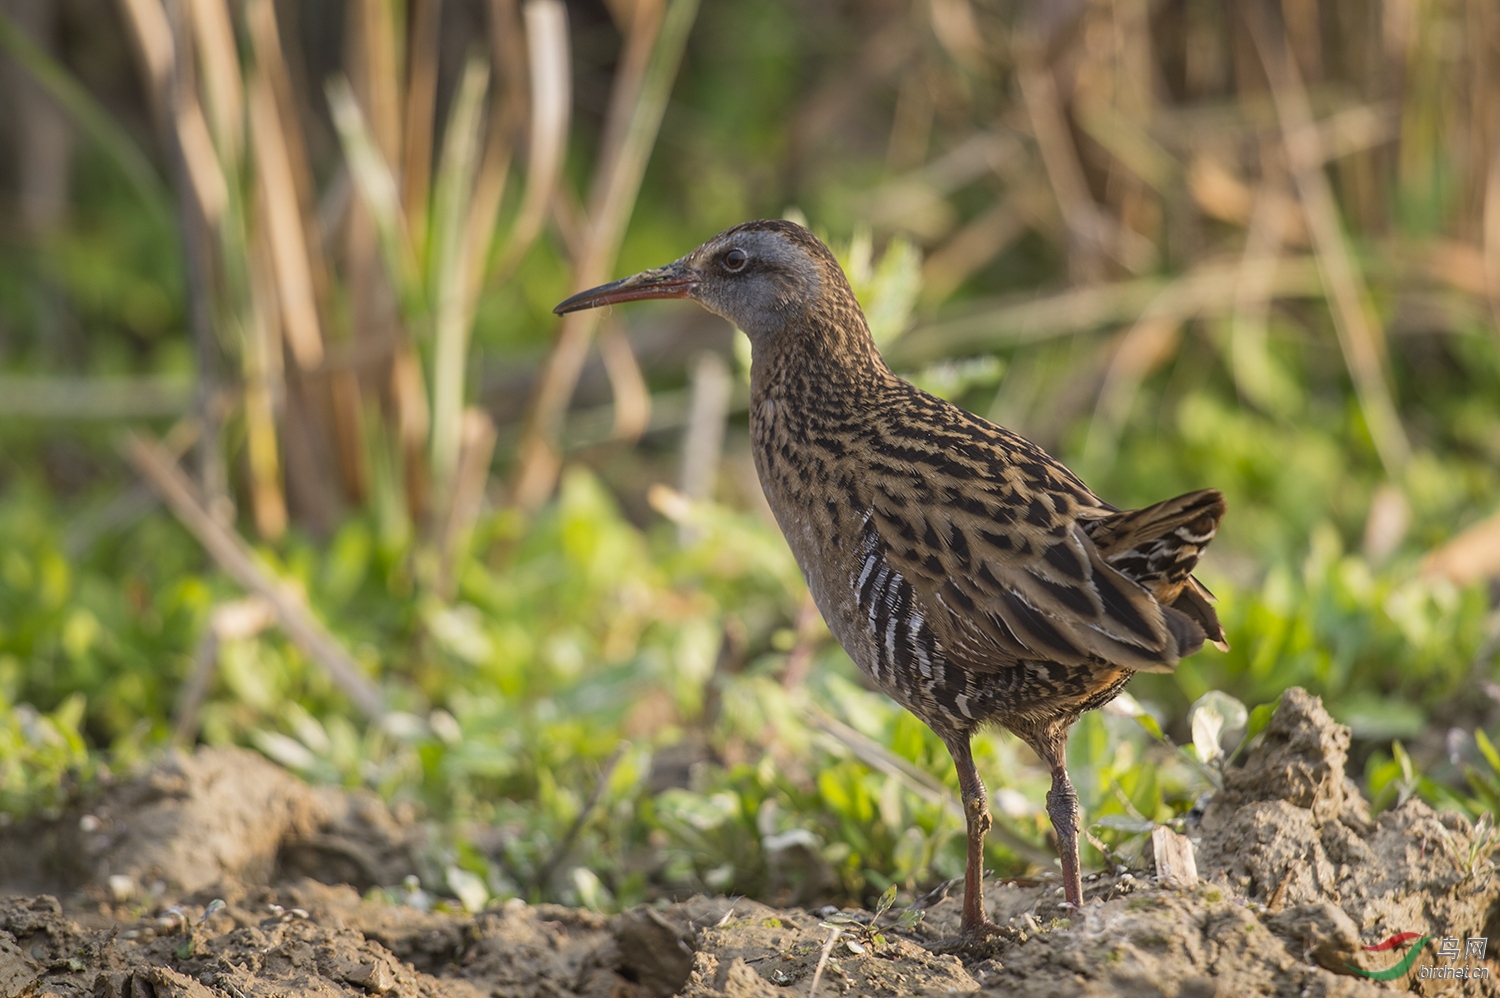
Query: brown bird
(970, 575)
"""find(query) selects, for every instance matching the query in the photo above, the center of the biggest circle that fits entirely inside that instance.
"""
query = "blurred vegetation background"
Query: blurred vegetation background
(294, 455)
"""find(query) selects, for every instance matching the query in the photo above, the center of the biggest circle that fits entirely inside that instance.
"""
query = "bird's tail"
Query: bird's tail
(1158, 547)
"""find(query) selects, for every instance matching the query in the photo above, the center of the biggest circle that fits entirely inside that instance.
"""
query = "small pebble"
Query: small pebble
(121, 887)
(376, 977)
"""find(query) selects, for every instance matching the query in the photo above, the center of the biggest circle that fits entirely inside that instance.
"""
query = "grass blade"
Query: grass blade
(451, 263)
(377, 187)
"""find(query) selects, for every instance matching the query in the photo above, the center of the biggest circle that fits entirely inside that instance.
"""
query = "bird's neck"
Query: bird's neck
(823, 355)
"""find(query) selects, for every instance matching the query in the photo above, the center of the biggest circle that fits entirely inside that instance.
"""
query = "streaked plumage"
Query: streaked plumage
(969, 574)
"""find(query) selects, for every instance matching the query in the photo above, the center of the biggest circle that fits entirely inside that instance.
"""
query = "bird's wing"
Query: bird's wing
(1010, 572)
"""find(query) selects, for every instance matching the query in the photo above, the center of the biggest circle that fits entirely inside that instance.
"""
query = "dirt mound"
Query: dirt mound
(1298, 879)
(219, 817)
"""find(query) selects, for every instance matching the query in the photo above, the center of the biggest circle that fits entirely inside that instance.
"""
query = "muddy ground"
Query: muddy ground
(113, 901)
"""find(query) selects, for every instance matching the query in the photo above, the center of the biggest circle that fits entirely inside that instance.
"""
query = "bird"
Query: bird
(969, 575)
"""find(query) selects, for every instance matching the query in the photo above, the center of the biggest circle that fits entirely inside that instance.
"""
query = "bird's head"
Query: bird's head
(759, 275)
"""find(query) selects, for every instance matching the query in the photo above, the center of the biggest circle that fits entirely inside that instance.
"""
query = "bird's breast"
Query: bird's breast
(818, 490)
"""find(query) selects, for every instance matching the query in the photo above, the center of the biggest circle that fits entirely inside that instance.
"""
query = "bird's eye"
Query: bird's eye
(735, 260)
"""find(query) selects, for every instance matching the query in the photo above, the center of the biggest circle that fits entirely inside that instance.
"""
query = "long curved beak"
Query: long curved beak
(675, 280)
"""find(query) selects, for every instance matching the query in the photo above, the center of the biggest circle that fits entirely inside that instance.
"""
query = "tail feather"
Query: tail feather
(1197, 602)
(1186, 631)
(1158, 547)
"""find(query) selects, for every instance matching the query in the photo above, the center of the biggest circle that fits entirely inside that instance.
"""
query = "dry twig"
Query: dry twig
(247, 568)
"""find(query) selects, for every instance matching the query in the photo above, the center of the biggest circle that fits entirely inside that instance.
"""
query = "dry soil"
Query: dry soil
(112, 900)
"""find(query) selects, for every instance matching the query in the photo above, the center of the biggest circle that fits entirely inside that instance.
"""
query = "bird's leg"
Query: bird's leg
(977, 817)
(1062, 807)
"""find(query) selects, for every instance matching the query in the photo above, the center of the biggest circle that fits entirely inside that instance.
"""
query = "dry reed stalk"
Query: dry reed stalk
(152, 34)
(264, 386)
(342, 405)
(265, 36)
(550, 61)
(374, 59)
(1359, 333)
(283, 223)
(508, 42)
(413, 426)
(653, 52)
(219, 67)
(267, 502)
(632, 396)
(1204, 291)
(241, 563)
(473, 474)
(426, 17)
(1492, 235)
(196, 147)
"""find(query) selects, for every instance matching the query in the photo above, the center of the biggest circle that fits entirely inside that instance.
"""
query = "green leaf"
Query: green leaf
(1488, 749)
(1152, 728)
(1259, 718)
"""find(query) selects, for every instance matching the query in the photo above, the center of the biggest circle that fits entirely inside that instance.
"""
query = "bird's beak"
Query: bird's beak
(675, 280)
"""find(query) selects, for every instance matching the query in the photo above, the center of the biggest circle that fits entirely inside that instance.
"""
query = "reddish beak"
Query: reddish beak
(675, 280)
